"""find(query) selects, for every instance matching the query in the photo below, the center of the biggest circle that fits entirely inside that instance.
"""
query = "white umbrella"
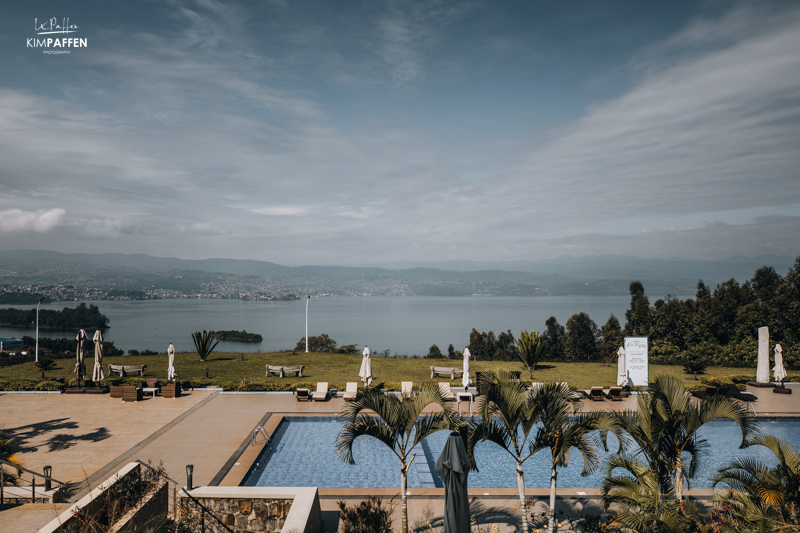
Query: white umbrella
(366, 368)
(97, 375)
(465, 379)
(171, 374)
(80, 368)
(779, 370)
(622, 376)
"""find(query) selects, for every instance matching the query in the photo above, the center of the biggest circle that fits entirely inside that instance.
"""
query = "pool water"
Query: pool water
(303, 454)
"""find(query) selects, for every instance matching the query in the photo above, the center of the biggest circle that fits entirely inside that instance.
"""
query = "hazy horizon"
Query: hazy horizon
(310, 133)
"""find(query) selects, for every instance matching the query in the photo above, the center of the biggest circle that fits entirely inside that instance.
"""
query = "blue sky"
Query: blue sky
(342, 133)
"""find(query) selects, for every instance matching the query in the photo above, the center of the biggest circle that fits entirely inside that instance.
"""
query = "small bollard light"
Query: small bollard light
(48, 471)
(242, 356)
(206, 372)
(189, 471)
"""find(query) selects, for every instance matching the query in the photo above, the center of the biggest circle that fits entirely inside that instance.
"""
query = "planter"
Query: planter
(170, 390)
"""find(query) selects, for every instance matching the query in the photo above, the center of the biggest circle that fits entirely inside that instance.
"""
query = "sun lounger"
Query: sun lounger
(350, 391)
(447, 394)
(614, 394)
(734, 392)
(303, 395)
(406, 387)
(322, 394)
(596, 394)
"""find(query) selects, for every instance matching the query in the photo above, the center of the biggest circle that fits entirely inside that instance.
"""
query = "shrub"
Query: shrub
(369, 516)
(434, 352)
(695, 366)
(133, 352)
(4, 385)
(664, 353)
(74, 382)
(50, 386)
(108, 382)
(136, 382)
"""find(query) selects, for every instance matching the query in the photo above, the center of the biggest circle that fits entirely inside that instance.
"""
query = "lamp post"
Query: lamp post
(37, 329)
(189, 472)
(307, 300)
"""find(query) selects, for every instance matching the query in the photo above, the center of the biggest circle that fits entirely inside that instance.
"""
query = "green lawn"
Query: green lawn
(338, 369)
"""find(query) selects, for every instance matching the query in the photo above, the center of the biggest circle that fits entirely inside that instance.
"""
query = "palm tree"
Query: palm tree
(45, 364)
(641, 504)
(8, 452)
(508, 415)
(563, 430)
(531, 348)
(665, 425)
(202, 342)
(399, 424)
(763, 496)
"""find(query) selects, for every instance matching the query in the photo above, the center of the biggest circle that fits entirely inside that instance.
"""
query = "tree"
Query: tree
(611, 338)
(581, 339)
(563, 430)
(434, 352)
(554, 333)
(320, 344)
(505, 348)
(671, 322)
(762, 496)
(45, 364)
(665, 426)
(638, 316)
(451, 352)
(9, 452)
(530, 349)
(507, 416)
(203, 344)
(398, 424)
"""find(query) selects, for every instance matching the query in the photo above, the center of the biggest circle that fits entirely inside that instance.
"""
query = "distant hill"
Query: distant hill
(588, 275)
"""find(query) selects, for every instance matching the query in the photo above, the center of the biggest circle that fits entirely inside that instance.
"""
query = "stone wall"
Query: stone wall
(246, 515)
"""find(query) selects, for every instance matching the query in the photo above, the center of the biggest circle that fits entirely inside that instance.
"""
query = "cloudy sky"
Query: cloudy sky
(358, 132)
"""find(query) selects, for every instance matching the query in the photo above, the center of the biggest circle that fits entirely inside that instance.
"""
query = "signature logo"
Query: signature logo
(52, 26)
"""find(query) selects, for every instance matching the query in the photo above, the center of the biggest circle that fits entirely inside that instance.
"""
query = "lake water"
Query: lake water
(406, 325)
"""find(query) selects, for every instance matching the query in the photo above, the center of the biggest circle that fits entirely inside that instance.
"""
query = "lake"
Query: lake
(405, 325)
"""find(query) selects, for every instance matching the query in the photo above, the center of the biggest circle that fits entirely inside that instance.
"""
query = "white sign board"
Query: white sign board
(636, 364)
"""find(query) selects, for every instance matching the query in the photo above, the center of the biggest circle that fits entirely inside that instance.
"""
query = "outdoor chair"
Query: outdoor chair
(571, 394)
(595, 394)
(350, 391)
(303, 395)
(614, 394)
(406, 387)
(710, 391)
(322, 394)
(447, 394)
(744, 396)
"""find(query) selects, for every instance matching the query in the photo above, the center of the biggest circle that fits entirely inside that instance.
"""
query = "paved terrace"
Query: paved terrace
(85, 438)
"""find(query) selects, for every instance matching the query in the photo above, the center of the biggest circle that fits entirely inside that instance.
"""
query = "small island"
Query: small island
(238, 336)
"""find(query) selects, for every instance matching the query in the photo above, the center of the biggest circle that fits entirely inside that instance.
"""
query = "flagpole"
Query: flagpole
(307, 300)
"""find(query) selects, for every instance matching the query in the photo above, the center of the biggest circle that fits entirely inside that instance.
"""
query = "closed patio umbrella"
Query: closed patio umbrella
(171, 374)
(97, 374)
(622, 377)
(453, 468)
(779, 371)
(366, 368)
(465, 379)
(80, 368)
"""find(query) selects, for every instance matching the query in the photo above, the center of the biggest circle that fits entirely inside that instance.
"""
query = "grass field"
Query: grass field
(338, 369)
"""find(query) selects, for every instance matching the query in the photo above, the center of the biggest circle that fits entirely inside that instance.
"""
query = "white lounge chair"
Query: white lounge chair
(447, 394)
(351, 391)
(406, 387)
(322, 394)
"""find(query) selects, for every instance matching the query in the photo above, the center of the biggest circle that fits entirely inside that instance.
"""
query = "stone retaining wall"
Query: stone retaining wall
(246, 515)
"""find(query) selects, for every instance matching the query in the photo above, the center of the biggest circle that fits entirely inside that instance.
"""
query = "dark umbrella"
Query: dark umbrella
(453, 467)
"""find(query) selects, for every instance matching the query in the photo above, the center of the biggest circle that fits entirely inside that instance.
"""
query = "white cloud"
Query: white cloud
(14, 220)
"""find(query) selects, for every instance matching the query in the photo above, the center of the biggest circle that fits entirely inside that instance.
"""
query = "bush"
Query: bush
(23, 385)
(369, 516)
(133, 352)
(664, 353)
(350, 349)
(50, 386)
(136, 382)
(108, 382)
(434, 352)
(74, 382)
(695, 366)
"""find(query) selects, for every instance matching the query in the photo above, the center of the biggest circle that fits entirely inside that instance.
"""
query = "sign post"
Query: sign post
(636, 362)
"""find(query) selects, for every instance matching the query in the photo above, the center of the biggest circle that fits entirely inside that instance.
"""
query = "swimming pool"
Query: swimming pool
(303, 454)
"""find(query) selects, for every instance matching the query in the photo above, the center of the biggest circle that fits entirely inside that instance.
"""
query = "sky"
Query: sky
(360, 132)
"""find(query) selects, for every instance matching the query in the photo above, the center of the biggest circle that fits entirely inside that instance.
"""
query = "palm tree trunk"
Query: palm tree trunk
(552, 520)
(679, 484)
(522, 503)
(403, 499)
(530, 373)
